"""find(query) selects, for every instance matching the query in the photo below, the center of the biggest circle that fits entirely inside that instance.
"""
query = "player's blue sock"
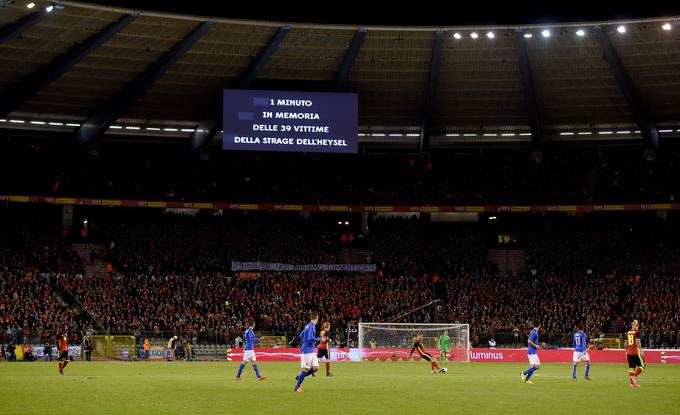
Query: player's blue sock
(573, 372)
(257, 372)
(587, 368)
(240, 370)
(531, 371)
(301, 378)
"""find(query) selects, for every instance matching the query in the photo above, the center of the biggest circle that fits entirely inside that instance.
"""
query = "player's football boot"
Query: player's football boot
(262, 378)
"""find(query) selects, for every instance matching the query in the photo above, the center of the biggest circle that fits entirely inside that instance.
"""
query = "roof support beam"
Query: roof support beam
(19, 93)
(13, 30)
(432, 83)
(345, 69)
(207, 129)
(633, 98)
(528, 90)
(133, 90)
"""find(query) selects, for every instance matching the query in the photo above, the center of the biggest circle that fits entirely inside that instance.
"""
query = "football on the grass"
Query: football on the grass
(445, 369)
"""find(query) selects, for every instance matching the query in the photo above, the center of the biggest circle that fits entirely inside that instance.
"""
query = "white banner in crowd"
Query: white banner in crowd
(274, 266)
(39, 351)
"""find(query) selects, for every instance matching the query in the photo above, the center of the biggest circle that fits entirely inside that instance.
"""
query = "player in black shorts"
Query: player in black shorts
(63, 352)
(418, 347)
(324, 348)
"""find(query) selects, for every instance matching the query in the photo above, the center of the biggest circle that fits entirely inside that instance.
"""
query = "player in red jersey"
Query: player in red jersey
(636, 363)
(62, 347)
(418, 346)
(323, 354)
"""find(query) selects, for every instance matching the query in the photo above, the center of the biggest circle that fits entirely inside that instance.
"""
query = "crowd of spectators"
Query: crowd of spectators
(564, 176)
(172, 274)
(29, 309)
(172, 244)
(216, 306)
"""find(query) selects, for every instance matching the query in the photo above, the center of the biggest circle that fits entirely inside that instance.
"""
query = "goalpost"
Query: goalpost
(395, 340)
(113, 347)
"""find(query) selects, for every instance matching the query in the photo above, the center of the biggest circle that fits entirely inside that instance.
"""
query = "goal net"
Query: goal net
(113, 347)
(383, 341)
(123, 347)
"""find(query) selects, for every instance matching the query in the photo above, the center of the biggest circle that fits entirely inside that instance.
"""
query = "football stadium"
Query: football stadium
(206, 211)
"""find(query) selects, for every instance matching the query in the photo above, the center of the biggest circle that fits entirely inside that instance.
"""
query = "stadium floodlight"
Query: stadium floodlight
(545, 33)
(38, 122)
(457, 36)
(49, 8)
(57, 124)
(16, 121)
(30, 5)
(490, 35)
(580, 32)
(129, 127)
(69, 124)
(116, 127)
(621, 29)
(339, 223)
(474, 35)
(666, 26)
(528, 35)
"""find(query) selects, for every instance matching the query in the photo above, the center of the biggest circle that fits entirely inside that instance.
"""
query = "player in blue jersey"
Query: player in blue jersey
(532, 348)
(249, 351)
(308, 359)
(580, 351)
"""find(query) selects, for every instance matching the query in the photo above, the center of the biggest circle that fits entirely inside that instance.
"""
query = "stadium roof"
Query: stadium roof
(57, 70)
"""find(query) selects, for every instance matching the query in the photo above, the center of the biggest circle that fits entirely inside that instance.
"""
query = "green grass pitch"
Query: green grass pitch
(357, 388)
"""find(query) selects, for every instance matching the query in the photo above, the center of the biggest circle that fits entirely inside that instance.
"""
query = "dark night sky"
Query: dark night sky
(427, 14)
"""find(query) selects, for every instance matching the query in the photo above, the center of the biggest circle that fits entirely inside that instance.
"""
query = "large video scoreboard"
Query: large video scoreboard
(321, 122)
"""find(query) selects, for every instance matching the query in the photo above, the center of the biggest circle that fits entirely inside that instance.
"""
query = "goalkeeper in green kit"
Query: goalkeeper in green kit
(444, 346)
